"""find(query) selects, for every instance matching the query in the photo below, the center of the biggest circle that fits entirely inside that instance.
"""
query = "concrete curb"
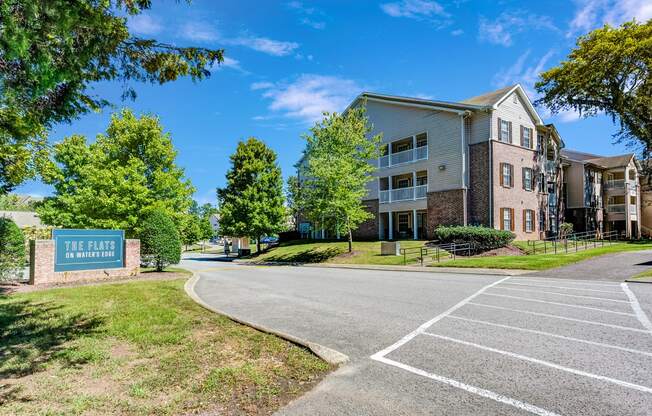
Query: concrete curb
(649, 281)
(411, 269)
(329, 355)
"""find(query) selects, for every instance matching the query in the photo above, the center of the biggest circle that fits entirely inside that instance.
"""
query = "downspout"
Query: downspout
(491, 171)
(465, 170)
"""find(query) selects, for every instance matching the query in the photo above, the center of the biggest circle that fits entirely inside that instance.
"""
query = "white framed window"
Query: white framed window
(504, 131)
(403, 183)
(506, 175)
(527, 179)
(403, 222)
(528, 220)
(507, 218)
(527, 137)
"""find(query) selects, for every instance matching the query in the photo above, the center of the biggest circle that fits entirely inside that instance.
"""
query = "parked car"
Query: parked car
(269, 240)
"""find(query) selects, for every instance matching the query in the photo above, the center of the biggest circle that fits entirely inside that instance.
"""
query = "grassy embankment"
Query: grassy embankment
(364, 252)
(544, 261)
(140, 347)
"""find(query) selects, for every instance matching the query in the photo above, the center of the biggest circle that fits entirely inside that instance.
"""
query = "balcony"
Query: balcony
(617, 209)
(406, 156)
(632, 209)
(614, 184)
(551, 167)
(410, 193)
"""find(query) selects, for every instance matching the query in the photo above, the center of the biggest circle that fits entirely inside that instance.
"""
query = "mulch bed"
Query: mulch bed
(7, 288)
(502, 251)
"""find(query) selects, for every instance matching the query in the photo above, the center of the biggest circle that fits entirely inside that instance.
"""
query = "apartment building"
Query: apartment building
(602, 193)
(488, 160)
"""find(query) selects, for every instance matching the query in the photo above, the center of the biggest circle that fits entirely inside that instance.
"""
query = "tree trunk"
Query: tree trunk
(348, 228)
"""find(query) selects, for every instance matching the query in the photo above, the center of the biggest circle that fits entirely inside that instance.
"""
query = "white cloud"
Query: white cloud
(415, 9)
(307, 97)
(568, 116)
(229, 63)
(457, 32)
(308, 14)
(261, 85)
(524, 72)
(199, 32)
(594, 13)
(265, 45)
(501, 30)
(144, 24)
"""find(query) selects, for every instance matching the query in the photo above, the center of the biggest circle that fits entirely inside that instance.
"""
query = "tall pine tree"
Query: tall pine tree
(251, 205)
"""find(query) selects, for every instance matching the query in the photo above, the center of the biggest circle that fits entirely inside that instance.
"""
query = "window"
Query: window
(507, 219)
(504, 131)
(528, 220)
(526, 137)
(422, 139)
(506, 176)
(527, 179)
(422, 180)
(403, 183)
(542, 183)
(403, 222)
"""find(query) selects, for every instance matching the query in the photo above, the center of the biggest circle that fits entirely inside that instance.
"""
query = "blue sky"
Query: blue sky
(287, 61)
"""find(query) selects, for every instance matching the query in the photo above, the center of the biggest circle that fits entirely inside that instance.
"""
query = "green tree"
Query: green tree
(159, 240)
(336, 170)
(191, 231)
(206, 228)
(12, 250)
(51, 51)
(251, 205)
(116, 181)
(607, 72)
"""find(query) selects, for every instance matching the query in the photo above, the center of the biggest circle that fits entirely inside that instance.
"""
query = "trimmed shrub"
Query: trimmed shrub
(12, 250)
(482, 238)
(159, 240)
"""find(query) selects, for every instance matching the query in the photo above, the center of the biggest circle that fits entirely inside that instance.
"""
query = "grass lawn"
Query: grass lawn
(166, 270)
(364, 252)
(140, 348)
(543, 261)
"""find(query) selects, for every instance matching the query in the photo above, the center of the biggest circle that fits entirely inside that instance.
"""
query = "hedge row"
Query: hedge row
(482, 238)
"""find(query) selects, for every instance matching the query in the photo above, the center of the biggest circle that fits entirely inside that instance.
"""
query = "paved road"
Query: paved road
(424, 344)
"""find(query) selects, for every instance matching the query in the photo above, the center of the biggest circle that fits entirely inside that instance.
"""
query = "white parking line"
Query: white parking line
(563, 294)
(424, 326)
(640, 314)
(550, 334)
(614, 292)
(471, 389)
(560, 304)
(569, 281)
(622, 383)
(547, 315)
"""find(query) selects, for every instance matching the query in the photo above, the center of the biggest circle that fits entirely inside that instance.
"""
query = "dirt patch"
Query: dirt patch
(347, 254)
(502, 251)
(7, 288)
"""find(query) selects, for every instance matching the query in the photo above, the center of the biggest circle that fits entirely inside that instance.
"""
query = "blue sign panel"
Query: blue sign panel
(88, 249)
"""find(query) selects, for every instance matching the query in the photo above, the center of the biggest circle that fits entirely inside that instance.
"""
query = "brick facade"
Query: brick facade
(42, 265)
(445, 208)
(368, 230)
(479, 184)
(515, 197)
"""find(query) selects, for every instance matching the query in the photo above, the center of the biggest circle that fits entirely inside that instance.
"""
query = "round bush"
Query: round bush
(159, 240)
(482, 238)
(12, 250)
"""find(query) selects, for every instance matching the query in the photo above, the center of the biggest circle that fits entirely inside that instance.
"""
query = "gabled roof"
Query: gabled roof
(417, 102)
(612, 161)
(490, 98)
(577, 156)
(23, 218)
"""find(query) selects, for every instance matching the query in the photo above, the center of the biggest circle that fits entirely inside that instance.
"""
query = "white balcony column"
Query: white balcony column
(391, 225)
(414, 182)
(414, 148)
(414, 224)
(389, 198)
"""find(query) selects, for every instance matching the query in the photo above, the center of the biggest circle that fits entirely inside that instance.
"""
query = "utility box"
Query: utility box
(390, 248)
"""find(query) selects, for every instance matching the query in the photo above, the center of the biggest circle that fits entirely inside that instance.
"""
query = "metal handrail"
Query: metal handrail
(573, 241)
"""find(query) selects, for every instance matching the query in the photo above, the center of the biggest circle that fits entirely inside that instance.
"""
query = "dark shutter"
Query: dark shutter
(500, 128)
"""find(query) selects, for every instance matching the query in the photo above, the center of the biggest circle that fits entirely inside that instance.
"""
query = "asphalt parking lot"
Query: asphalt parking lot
(455, 344)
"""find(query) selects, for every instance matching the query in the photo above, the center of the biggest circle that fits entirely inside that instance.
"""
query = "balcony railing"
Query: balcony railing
(406, 156)
(614, 184)
(403, 194)
(616, 208)
(551, 167)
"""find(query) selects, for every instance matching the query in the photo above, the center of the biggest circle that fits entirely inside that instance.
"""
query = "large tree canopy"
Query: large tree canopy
(336, 169)
(251, 205)
(52, 51)
(116, 181)
(607, 72)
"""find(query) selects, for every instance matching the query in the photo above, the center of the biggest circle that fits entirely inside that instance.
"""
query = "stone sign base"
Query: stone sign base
(41, 269)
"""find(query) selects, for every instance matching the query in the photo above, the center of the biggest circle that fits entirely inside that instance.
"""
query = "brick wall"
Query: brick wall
(479, 184)
(368, 230)
(42, 265)
(515, 197)
(445, 208)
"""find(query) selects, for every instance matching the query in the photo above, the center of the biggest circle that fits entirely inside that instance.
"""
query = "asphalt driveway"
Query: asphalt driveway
(431, 343)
